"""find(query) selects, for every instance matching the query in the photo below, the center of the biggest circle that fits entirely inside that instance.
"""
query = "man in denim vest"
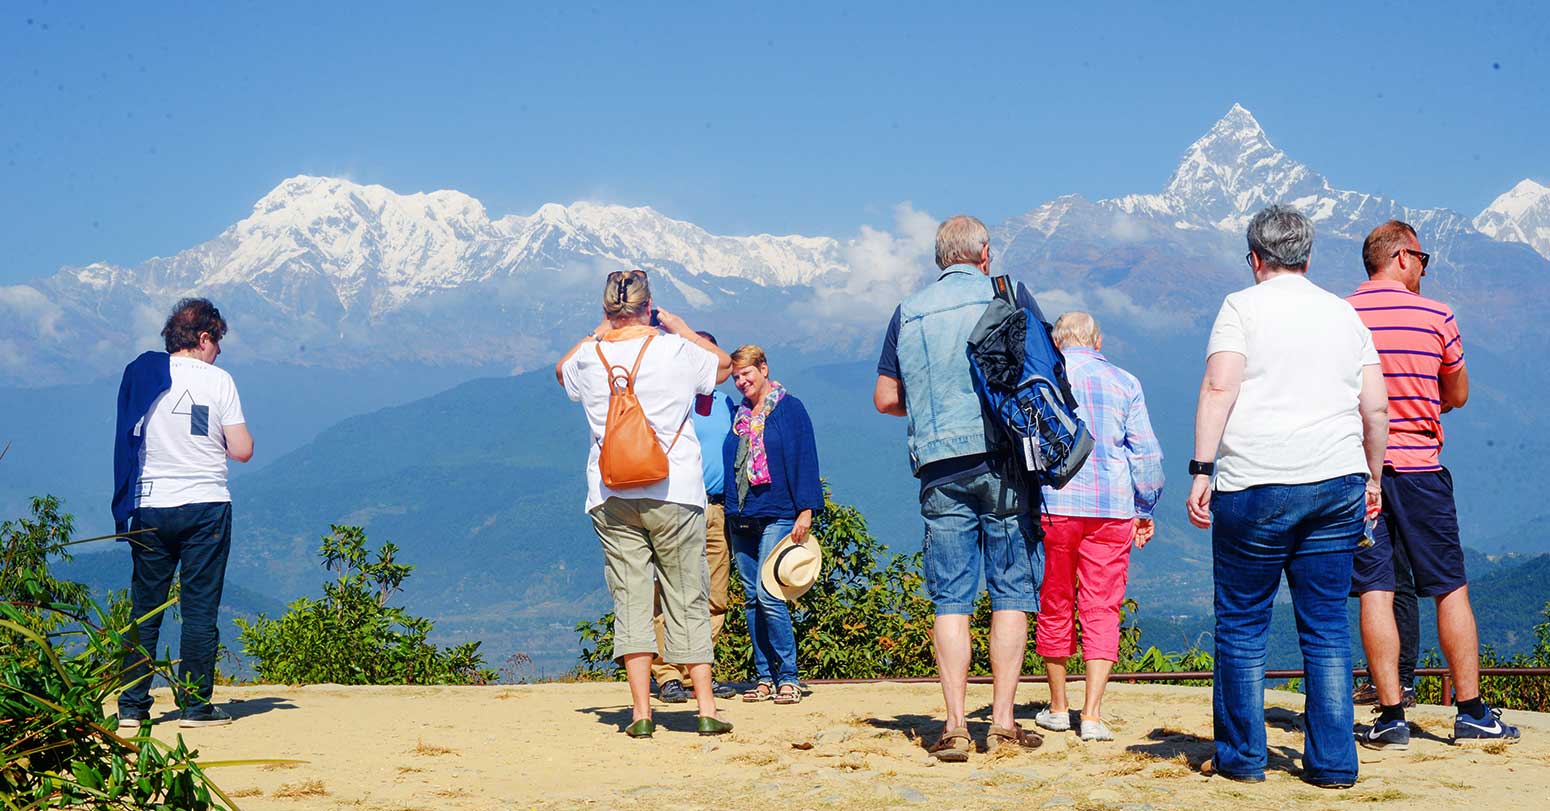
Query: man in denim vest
(978, 518)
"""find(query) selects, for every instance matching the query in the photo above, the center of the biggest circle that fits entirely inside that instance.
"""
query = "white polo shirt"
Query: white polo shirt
(1297, 419)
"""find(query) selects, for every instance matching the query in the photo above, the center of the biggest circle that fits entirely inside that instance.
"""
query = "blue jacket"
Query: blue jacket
(146, 378)
(792, 450)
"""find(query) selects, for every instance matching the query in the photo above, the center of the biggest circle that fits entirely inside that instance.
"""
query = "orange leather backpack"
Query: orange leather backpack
(631, 454)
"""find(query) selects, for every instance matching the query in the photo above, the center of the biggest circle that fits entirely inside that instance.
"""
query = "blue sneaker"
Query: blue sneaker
(1385, 735)
(1486, 728)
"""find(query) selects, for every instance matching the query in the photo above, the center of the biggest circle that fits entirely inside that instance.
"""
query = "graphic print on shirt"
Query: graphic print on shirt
(198, 415)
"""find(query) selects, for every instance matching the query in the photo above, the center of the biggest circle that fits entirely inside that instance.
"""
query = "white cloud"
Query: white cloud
(884, 266)
(1104, 303)
(24, 306)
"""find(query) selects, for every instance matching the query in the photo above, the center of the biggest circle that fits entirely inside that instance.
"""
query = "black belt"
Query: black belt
(715, 498)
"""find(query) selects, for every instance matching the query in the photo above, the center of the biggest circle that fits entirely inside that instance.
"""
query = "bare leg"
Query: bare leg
(1460, 641)
(637, 667)
(700, 676)
(1380, 639)
(1097, 682)
(950, 633)
(1008, 643)
(1059, 702)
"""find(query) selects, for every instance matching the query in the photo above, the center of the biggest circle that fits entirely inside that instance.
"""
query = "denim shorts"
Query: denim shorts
(1418, 515)
(981, 524)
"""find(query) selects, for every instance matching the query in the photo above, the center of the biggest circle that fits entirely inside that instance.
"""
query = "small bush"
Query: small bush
(352, 635)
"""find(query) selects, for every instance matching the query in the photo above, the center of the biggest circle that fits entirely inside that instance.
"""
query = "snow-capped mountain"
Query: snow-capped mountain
(329, 272)
(1520, 215)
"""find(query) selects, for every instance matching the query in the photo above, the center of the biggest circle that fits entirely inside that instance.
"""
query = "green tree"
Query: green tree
(352, 635)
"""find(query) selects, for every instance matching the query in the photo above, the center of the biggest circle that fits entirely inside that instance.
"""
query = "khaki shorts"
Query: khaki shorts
(648, 541)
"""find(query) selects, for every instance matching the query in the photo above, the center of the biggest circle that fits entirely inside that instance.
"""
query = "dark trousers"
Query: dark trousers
(1407, 615)
(194, 541)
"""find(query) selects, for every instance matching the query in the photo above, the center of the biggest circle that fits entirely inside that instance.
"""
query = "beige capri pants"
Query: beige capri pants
(642, 536)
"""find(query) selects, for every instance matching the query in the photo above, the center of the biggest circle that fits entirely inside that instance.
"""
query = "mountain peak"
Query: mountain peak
(1239, 119)
(1522, 214)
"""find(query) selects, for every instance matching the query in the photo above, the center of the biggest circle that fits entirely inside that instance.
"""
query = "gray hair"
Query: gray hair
(1282, 237)
(959, 240)
(1076, 328)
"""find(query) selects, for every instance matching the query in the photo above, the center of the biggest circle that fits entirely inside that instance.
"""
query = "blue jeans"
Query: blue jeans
(769, 618)
(981, 523)
(195, 538)
(1310, 532)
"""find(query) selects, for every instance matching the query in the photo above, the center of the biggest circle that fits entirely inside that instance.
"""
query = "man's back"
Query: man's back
(185, 440)
(1418, 340)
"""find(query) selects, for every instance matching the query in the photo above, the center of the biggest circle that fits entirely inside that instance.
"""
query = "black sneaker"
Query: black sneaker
(673, 692)
(1408, 697)
(1487, 728)
(207, 716)
(723, 690)
(1386, 735)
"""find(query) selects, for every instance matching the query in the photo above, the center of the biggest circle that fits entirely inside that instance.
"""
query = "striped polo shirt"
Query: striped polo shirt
(1418, 340)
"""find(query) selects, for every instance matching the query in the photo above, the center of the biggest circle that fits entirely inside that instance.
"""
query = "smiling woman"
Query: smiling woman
(771, 494)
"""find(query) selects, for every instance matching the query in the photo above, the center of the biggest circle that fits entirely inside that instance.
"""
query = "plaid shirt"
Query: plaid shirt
(1124, 477)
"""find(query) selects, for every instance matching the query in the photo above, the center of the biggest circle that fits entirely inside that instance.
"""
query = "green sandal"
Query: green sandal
(641, 729)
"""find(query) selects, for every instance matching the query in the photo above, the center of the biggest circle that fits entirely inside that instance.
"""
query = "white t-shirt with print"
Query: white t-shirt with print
(184, 456)
(1297, 419)
(671, 374)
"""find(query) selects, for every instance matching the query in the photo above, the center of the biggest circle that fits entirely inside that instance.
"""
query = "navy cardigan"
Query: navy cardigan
(146, 379)
(793, 454)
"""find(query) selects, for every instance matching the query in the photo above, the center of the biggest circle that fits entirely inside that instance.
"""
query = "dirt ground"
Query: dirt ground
(559, 746)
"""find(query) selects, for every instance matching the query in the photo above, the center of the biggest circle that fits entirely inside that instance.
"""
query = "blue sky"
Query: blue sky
(128, 132)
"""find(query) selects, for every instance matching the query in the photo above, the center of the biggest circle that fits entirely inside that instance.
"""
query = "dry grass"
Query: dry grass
(409, 770)
(1387, 795)
(451, 793)
(1496, 748)
(275, 767)
(1424, 757)
(506, 694)
(250, 791)
(759, 757)
(1128, 763)
(432, 750)
(306, 788)
(1168, 772)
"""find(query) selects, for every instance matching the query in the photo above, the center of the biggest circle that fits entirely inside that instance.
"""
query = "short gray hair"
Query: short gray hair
(1282, 237)
(959, 240)
(1076, 328)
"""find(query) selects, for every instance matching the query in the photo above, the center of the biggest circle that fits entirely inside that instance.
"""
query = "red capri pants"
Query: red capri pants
(1086, 563)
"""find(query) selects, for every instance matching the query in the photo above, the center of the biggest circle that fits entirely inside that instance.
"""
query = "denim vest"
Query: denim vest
(945, 417)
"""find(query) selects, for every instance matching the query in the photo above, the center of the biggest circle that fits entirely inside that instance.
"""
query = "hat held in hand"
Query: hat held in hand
(792, 568)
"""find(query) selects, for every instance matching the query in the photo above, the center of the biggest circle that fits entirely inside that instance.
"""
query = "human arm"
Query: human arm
(675, 325)
(1144, 454)
(239, 443)
(559, 368)
(1454, 388)
(1218, 393)
(888, 396)
(800, 452)
(1374, 404)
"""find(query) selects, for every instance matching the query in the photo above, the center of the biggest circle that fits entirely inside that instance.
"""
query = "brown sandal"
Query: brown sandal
(1016, 736)
(763, 691)
(947, 750)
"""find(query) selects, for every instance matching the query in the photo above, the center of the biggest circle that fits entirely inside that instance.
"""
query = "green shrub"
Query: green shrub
(352, 635)
(1505, 692)
(868, 617)
(61, 658)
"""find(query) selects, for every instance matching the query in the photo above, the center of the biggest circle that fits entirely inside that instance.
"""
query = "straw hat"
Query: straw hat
(792, 568)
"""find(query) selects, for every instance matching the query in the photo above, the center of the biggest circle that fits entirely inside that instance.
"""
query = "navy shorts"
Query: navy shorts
(1418, 515)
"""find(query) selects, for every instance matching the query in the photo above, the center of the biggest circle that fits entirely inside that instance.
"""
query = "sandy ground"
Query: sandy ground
(556, 746)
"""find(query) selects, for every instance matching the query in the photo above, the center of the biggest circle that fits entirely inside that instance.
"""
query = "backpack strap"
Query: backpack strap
(629, 381)
(1003, 287)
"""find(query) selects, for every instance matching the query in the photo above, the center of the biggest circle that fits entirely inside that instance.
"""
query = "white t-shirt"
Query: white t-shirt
(671, 374)
(1297, 419)
(184, 456)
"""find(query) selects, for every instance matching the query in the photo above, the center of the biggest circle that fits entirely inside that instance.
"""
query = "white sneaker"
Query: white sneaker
(1053, 721)
(1095, 731)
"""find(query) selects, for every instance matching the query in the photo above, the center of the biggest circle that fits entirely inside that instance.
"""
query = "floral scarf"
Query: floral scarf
(753, 464)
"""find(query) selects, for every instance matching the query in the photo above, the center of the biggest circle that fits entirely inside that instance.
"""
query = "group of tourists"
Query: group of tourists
(1317, 440)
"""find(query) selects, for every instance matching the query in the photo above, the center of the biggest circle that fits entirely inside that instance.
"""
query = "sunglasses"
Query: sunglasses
(1425, 257)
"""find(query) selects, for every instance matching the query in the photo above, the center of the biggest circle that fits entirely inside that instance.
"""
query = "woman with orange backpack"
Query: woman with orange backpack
(636, 376)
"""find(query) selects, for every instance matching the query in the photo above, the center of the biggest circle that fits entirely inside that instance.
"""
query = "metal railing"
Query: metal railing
(1206, 675)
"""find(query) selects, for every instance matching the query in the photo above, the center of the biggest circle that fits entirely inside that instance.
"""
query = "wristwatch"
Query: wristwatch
(1201, 468)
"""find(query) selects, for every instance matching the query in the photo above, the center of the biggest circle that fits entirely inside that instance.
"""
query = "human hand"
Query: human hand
(1144, 527)
(673, 323)
(1199, 502)
(1374, 498)
(803, 524)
